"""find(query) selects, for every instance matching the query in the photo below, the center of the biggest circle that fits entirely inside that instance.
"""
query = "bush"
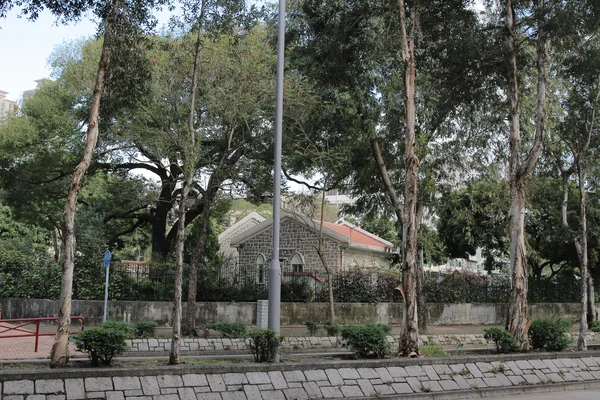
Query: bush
(595, 326)
(549, 334)
(102, 343)
(229, 330)
(332, 329)
(434, 350)
(145, 329)
(264, 344)
(117, 325)
(367, 340)
(312, 327)
(504, 340)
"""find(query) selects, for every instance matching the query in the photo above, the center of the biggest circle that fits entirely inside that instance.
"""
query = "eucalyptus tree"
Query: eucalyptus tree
(119, 19)
(577, 131)
(363, 87)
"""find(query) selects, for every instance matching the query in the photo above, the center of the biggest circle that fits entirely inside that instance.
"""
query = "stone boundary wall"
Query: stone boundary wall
(291, 313)
(466, 377)
(297, 343)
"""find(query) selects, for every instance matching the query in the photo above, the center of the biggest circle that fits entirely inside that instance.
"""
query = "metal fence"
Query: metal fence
(157, 283)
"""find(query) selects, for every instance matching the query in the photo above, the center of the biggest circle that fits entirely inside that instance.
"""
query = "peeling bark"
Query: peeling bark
(175, 355)
(59, 355)
(409, 340)
(519, 170)
(188, 149)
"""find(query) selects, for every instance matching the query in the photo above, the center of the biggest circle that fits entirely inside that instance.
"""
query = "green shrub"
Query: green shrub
(102, 343)
(433, 350)
(117, 325)
(367, 340)
(264, 344)
(145, 329)
(312, 327)
(547, 333)
(229, 330)
(332, 329)
(504, 340)
(595, 326)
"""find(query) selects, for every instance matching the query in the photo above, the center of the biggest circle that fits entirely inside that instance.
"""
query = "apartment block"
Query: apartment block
(6, 106)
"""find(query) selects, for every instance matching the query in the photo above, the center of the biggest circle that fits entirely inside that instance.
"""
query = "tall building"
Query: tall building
(6, 106)
(39, 82)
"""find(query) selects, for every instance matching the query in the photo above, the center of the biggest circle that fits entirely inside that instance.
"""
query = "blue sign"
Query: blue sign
(107, 258)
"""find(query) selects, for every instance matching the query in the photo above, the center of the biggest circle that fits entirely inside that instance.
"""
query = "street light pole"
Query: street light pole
(274, 266)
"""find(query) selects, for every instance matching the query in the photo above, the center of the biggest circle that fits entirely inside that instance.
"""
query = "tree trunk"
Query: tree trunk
(160, 244)
(409, 341)
(189, 157)
(323, 261)
(518, 324)
(190, 325)
(592, 316)
(331, 299)
(583, 260)
(421, 300)
(56, 245)
(175, 356)
(59, 355)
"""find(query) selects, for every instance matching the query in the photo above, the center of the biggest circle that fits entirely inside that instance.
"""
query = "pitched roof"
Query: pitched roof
(359, 236)
(235, 228)
(344, 233)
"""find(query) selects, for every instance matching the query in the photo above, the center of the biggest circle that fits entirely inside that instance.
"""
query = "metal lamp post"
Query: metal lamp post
(275, 274)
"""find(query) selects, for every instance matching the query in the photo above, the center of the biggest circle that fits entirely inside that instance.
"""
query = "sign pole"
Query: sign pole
(107, 266)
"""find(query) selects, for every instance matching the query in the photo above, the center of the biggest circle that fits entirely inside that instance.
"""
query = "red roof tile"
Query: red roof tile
(357, 236)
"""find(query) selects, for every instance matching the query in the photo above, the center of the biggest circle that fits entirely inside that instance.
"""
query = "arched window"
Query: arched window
(297, 263)
(260, 269)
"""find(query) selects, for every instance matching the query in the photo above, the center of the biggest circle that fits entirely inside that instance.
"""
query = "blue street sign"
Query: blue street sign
(107, 258)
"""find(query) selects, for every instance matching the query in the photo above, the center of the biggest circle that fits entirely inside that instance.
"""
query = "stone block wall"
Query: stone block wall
(401, 378)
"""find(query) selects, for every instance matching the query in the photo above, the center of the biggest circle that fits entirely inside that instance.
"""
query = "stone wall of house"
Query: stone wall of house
(364, 259)
(294, 238)
(225, 245)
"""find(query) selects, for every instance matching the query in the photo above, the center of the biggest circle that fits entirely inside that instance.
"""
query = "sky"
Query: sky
(25, 47)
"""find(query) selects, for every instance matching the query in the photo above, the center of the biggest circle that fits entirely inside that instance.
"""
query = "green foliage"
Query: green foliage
(433, 350)
(103, 342)
(595, 326)
(264, 344)
(367, 340)
(547, 333)
(296, 290)
(359, 286)
(145, 329)
(312, 327)
(230, 330)
(505, 342)
(121, 326)
(332, 329)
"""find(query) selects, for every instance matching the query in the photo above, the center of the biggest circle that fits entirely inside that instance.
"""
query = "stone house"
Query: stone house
(230, 254)
(345, 246)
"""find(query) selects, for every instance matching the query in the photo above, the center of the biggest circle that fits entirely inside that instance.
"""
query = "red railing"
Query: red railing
(23, 322)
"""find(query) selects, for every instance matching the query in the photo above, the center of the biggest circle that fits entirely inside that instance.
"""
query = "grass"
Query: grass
(433, 350)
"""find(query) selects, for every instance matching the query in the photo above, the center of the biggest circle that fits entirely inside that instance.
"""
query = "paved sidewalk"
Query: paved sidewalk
(567, 395)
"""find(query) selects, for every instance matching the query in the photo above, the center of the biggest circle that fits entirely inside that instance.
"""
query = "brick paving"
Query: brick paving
(298, 382)
(23, 347)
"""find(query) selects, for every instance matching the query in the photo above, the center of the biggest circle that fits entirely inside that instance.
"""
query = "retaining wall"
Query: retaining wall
(296, 343)
(450, 378)
(291, 313)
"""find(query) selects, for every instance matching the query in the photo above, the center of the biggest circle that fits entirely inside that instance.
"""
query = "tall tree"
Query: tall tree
(409, 341)
(59, 355)
(519, 168)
